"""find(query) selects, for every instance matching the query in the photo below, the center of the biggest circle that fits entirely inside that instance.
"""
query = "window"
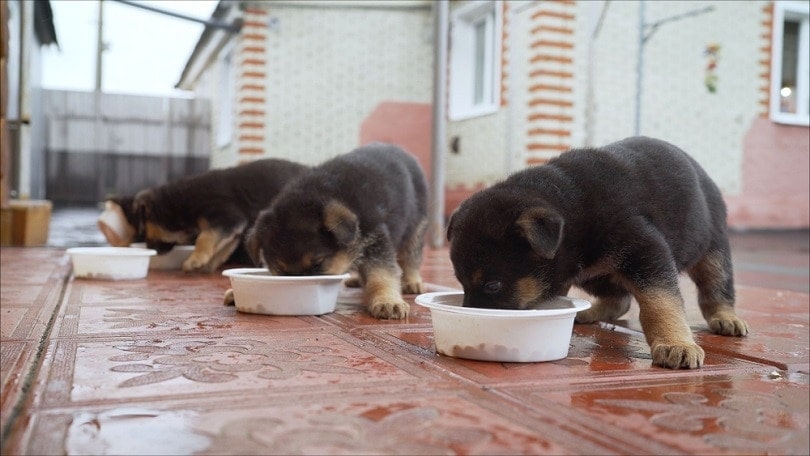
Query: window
(790, 63)
(475, 60)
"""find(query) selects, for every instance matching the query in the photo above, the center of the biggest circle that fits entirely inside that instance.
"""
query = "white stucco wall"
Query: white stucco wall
(676, 105)
(328, 68)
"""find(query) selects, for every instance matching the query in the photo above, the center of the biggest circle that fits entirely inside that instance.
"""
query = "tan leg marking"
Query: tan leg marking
(409, 259)
(710, 276)
(212, 248)
(663, 319)
(382, 294)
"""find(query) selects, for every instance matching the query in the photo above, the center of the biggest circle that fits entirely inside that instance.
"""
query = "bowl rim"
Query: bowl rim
(110, 251)
(249, 275)
(426, 300)
(176, 248)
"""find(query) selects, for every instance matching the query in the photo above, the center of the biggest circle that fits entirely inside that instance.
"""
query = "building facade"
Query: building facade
(527, 80)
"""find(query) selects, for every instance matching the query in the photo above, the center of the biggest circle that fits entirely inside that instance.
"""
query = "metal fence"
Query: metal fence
(100, 145)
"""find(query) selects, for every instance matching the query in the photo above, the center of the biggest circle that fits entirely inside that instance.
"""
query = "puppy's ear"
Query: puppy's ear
(142, 203)
(542, 227)
(449, 230)
(341, 222)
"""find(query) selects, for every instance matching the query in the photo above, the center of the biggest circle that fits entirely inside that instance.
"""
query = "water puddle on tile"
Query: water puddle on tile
(134, 431)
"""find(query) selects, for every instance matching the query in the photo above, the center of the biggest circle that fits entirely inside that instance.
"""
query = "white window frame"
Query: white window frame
(226, 94)
(463, 22)
(797, 11)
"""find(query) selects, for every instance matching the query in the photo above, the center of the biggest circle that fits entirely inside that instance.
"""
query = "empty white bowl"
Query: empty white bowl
(256, 290)
(110, 263)
(503, 335)
(171, 260)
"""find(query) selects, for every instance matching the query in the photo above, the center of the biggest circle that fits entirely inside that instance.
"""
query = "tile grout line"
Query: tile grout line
(36, 363)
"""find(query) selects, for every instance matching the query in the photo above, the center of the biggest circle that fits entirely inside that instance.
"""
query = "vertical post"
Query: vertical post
(639, 67)
(101, 175)
(99, 44)
(439, 136)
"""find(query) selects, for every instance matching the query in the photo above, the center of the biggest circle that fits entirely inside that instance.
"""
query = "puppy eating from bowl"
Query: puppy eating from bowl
(618, 221)
(365, 212)
(211, 210)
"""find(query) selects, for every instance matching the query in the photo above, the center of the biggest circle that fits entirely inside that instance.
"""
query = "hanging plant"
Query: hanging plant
(712, 53)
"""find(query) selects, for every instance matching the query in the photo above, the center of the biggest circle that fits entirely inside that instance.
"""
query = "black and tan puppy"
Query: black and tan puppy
(618, 221)
(119, 222)
(364, 211)
(211, 210)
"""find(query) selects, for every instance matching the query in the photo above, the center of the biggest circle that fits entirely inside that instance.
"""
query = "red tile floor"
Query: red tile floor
(159, 366)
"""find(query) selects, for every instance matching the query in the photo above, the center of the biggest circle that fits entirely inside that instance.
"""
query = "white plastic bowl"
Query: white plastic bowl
(110, 263)
(502, 335)
(256, 290)
(171, 260)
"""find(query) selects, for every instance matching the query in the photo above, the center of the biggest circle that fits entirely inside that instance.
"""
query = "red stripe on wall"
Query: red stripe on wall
(256, 49)
(554, 14)
(556, 74)
(549, 88)
(253, 74)
(549, 131)
(548, 147)
(550, 58)
(550, 102)
(546, 116)
(552, 44)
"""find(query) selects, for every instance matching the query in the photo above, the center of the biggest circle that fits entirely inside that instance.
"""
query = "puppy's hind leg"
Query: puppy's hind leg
(648, 270)
(409, 258)
(612, 301)
(714, 279)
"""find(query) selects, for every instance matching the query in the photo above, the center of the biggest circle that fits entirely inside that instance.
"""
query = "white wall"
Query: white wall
(328, 68)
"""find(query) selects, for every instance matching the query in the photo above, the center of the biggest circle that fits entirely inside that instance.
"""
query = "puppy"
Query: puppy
(119, 222)
(211, 210)
(618, 221)
(364, 211)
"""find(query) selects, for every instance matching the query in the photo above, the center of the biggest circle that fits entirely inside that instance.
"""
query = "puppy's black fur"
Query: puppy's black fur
(212, 209)
(364, 211)
(619, 221)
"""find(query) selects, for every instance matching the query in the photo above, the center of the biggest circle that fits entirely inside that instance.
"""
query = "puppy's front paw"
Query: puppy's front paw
(728, 324)
(677, 355)
(389, 309)
(228, 299)
(195, 263)
(415, 287)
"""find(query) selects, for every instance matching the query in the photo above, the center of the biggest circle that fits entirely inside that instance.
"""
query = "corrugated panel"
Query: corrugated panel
(136, 142)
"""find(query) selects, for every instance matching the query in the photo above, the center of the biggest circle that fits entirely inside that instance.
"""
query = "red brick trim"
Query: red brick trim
(550, 103)
(765, 60)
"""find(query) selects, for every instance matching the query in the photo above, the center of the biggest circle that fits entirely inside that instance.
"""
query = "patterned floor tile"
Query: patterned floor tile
(752, 413)
(433, 423)
(119, 369)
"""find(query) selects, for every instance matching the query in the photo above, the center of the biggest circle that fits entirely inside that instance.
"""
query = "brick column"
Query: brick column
(251, 72)
(764, 61)
(551, 81)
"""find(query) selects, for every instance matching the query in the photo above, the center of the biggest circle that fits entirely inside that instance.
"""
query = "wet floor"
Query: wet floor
(159, 366)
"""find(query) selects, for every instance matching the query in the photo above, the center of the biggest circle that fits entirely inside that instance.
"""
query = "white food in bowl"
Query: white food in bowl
(502, 335)
(110, 263)
(256, 290)
(171, 260)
